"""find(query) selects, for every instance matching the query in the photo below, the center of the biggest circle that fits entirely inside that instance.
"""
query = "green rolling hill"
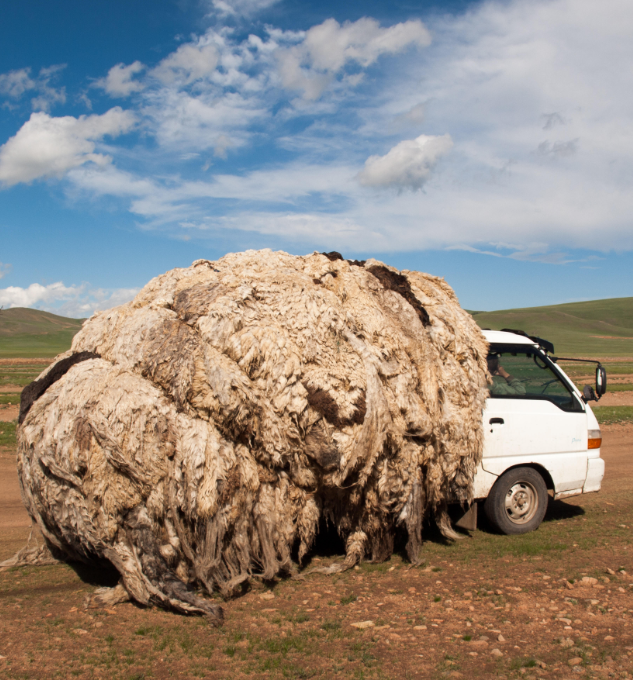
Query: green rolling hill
(31, 333)
(599, 328)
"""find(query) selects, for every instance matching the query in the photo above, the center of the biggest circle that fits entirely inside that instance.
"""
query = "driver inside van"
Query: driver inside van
(502, 382)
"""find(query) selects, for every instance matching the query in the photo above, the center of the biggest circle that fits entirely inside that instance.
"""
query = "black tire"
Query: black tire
(517, 502)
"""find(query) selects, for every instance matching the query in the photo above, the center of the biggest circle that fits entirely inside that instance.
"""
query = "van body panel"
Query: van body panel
(536, 432)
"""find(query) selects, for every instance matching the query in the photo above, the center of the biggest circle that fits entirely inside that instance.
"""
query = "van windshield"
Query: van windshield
(523, 372)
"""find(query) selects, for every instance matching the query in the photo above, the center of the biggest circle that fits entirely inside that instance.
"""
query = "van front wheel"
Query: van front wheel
(517, 502)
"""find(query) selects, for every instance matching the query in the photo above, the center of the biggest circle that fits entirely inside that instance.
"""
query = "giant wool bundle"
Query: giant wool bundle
(196, 436)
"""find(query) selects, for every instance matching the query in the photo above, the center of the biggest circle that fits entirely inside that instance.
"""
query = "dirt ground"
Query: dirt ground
(615, 399)
(557, 603)
(9, 412)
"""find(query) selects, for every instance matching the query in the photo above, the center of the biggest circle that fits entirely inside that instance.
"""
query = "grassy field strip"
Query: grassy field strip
(607, 415)
(7, 434)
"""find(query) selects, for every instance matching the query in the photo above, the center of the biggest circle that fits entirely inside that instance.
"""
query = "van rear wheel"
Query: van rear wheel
(517, 502)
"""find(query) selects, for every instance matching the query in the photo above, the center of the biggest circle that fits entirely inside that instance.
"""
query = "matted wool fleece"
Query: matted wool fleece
(210, 424)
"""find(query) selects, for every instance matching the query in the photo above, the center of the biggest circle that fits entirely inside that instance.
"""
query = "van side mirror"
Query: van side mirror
(588, 394)
(601, 381)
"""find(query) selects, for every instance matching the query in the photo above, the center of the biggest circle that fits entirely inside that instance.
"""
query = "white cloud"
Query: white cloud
(15, 83)
(74, 301)
(49, 147)
(408, 165)
(242, 7)
(190, 62)
(119, 83)
(327, 48)
(534, 96)
(4, 269)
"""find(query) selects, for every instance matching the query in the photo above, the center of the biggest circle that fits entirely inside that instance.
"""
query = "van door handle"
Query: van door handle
(496, 421)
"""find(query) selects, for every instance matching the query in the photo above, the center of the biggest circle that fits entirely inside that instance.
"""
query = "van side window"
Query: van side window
(523, 372)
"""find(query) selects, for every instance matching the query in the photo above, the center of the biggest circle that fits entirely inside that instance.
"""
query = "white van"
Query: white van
(540, 434)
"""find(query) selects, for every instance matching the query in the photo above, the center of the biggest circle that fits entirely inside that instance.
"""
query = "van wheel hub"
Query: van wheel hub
(521, 502)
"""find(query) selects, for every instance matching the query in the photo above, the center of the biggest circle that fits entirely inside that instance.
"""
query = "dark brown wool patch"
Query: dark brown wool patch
(322, 402)
(333, 256)
(399, 284)
(31, 393)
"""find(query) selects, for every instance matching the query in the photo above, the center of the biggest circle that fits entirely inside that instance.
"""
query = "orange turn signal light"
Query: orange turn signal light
(594, 440)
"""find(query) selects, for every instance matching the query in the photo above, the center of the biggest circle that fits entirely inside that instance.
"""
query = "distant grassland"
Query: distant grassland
(28, 333)
(600, 328)
(608, 415)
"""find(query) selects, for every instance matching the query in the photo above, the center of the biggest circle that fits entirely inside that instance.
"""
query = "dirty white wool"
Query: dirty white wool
(234, 405)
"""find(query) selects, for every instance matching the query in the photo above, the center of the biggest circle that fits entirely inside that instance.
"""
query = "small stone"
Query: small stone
(589, 580)
(2, 657)
(479, 643)
(419, 627)
(575, 661)
(610, 571)
(609, 637)
(391, 568)
(361, 625)
(569, 585)
(412, 590)
(500, 638)
(81, 631)
(268, 595)
(99, 624)
(564, 620)
(496, 653)
(566, 643)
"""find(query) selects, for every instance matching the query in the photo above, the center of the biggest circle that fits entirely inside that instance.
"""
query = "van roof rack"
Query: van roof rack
(543, 344)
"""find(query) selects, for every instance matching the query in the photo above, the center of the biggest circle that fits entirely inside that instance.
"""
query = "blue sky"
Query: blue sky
(490, 143)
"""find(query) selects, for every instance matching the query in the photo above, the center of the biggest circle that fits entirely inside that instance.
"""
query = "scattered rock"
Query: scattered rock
(479, 643)
(99, 624)
(575, 661)
(496, 653)
(610, 571)
(268, 595)
(567, 643)
(609, 637)
(81, 631)
(589, 580)
(419, 627)
(500, 638)
(363, 624)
